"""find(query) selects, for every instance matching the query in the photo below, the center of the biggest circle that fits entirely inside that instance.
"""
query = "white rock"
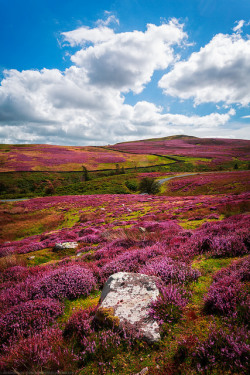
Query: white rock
(130, 295)
(65, 245)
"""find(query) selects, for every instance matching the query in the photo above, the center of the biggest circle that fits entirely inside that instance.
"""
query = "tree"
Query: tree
(117, 169)
(149, 185)
(85, 176)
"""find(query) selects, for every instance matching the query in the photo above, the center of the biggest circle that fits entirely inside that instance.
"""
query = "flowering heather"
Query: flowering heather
(45, 349)
(239, 269)
(150, 234)
(210, 183)
(64, 282)
(228, 238)
(65, 158)
(130, 261)
(170, 271)
(27, 318)
(224, 348)
(189, 146)
(167, 308)
(80, 324)
(228, 295)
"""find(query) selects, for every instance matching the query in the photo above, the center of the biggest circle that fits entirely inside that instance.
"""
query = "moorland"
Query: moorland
(192, 231)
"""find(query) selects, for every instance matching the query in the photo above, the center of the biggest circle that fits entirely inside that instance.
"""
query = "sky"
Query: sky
(76, 72)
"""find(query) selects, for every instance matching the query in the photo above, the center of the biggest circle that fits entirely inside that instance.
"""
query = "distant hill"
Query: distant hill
(141, 153)
(188, 146)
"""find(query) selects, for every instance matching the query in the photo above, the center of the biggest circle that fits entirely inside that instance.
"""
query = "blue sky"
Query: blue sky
(79, 72)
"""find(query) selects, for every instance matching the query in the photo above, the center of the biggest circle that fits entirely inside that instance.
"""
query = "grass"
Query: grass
(79, 303)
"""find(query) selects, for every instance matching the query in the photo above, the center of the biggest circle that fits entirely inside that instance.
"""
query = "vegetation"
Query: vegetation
(193, 235)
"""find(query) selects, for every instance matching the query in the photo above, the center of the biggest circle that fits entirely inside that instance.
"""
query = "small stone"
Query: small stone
(65, 245)
(144, 371)
(32, 257)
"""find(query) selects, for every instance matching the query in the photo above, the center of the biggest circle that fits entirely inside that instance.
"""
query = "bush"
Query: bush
(227, 297)
(132, 185)
(79, 324)
(27, 318)
(64, 282)
(222, 349)
(167, 308)
(170, 271)
(45, 350)
(149, 185)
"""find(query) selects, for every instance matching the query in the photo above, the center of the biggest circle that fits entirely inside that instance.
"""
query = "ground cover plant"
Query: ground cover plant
(209, 183)
(197, 245)
(219, 150)
(69, 158)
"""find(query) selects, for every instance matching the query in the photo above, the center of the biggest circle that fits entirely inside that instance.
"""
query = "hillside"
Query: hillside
(212, 152)
(68, 158)
(218, 150)
(58, 249)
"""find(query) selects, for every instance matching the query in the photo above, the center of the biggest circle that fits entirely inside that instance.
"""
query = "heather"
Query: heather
(26, 318)
(67, 158)
(197, 245)
(224, 347)
(184, 146)
(227, 295)
(209, 183)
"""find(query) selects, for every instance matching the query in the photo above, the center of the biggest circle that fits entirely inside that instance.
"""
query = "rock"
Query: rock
(32, 257)
(65, 245)
(144, 371)
(142, 229)
(127, 296)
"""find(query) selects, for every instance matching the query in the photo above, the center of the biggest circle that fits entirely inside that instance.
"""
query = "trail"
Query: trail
(161, 181)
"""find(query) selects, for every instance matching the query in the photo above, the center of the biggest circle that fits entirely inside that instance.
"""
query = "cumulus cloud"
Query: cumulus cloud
(219, 72)
(86, 103)
(125, 61)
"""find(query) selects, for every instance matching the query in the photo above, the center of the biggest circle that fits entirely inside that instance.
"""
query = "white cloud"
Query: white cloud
(238, 27)
(218, 72)
(85, 104)
(248, 116)
(125, 61)
(84, 34)
(111, 18)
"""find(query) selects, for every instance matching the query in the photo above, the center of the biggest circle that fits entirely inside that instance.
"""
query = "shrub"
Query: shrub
(170, 271)
(227, 297)
(132, 185)
(80, 323)
(149, 185)
(27, 318)
(167, 308)
(224, 348)
(131, 260)
(64, 282)
(44, 350)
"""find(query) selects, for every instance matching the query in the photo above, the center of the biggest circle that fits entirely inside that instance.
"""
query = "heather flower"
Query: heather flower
(170, 270)
(228, 297)
(80, 323)
(44, 350)
(228, 349)
(167, 308)
(27, 318)
(64, 282)
(130, 261)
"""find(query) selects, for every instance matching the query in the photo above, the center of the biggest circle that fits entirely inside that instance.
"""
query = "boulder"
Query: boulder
(65, 245)
(128, 296)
